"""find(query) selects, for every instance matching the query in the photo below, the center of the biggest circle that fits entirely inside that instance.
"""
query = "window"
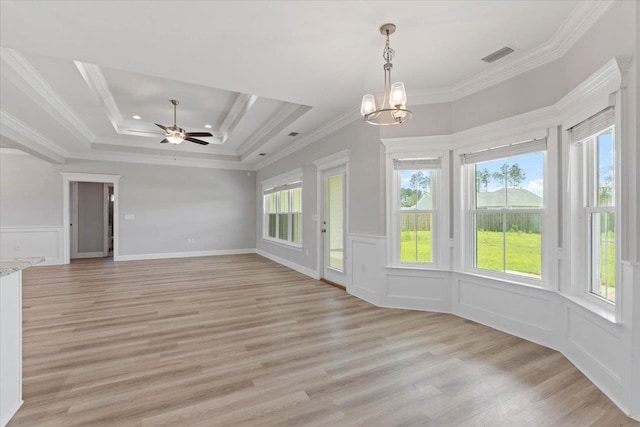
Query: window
(283, 214)
(599, 203)
(415, 207)
(506, 205)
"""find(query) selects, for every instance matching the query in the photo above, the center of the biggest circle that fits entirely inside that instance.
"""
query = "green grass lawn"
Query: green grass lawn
(524, 252)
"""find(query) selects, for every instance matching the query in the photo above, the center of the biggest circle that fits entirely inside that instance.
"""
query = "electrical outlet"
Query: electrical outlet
(17, 248)
(191, 240)
(363, 268)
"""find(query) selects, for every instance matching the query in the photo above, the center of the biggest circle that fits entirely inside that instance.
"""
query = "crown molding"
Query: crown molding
(276, 123)
(53, 104)
(583, 17)
(333, 125)
(152, 159)
(236, 113)
(95, 80)
(33, 141)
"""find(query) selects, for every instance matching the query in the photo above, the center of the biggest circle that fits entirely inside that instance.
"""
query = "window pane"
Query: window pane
(416, 237)
(335, 221)
(489, 241)
(271, 219)
(490, 184)
(296, 200)
(415, 189)
(296, 228)
(605, 169)
(283, 202)
(603, 255)
(523, 244)
(524, 179)
(283, 220)
(270, 202)
(514, 182)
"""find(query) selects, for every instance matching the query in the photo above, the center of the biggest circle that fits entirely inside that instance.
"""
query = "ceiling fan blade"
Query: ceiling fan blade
(199, 134)
(197, 141)
(164, 141)
(162, 127)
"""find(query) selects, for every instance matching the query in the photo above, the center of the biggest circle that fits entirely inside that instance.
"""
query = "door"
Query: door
(334, 226)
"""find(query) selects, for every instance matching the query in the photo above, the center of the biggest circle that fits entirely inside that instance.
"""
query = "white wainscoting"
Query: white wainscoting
(365, 272)
(47, 242)
(519, 310)
(427, 290)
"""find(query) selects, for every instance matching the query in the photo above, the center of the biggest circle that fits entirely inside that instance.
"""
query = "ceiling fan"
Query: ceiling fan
(175, 135)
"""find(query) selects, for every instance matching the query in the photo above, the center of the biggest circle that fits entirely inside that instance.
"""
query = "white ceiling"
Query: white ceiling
(73, 73)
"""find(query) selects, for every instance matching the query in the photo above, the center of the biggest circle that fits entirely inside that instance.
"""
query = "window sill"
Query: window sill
(419, 267)
(607, 314)
(505, 280)
(284, 244)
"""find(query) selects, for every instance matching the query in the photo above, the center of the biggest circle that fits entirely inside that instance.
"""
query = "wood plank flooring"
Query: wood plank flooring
(242, 341)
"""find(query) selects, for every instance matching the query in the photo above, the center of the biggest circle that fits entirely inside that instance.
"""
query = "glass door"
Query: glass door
(334, 225)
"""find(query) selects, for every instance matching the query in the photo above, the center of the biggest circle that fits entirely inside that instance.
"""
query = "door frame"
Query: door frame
(67, 179)
(341, 158)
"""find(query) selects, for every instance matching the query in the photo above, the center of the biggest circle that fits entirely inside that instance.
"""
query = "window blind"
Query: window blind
(413, 164)
(594, 124)
(506, 151)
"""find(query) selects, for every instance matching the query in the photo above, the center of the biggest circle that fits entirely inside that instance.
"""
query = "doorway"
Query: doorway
(97, 234)
(334, 225)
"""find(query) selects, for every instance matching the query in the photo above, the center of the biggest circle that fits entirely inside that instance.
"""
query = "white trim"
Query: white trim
(282, 179)
(284, 243)
(30, 140)
(238, 110)
(59, 259)
(333, 160)
(90, 255)
(166, 255)
(54, 105)
(10, 414)
(290, 264)
(67, 178)
(331, 126)
(583, 17)
(286, 115)
(165, 160)
(340, 158)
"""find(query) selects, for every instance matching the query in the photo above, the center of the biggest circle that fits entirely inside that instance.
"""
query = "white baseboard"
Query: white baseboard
(89, 255)
(292, 265)
(7, 417)
(139, 257)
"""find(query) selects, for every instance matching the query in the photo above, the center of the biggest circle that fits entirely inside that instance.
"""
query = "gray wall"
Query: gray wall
(614, 35)
(171, 204)
(90, 217)
(366, 188)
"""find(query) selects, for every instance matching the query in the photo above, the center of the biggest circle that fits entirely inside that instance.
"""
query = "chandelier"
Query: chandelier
(393, 109)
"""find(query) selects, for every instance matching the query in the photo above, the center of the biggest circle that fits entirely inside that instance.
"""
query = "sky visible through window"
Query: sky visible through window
(530, 164)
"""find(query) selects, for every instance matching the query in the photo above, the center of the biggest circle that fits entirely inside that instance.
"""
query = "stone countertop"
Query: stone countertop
(8, 266)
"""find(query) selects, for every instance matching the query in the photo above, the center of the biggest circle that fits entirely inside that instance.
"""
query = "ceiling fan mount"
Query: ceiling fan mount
(175, 134)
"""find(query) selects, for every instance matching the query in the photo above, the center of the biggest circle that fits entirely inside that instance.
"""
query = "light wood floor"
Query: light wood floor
(242, 341)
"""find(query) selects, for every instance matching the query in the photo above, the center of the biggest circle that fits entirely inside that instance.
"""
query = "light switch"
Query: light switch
(314, 217)
(129, 216)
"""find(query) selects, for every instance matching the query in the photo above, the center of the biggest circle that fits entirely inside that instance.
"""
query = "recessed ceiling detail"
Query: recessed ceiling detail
(75, 83)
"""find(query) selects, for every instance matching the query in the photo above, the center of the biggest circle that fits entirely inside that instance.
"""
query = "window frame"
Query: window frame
(587, 188)
(506, 150)
(440, 202)
(283, 183)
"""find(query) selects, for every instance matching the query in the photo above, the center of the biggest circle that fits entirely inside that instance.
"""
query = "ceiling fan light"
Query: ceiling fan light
(368, 104)
(175, 139)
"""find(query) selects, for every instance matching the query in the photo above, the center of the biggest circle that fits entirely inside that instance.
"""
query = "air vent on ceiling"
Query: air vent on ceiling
(262, 154)
(294, 134)
(500, 53)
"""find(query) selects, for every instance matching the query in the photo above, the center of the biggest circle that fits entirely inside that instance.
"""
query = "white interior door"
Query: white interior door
(334, 225)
